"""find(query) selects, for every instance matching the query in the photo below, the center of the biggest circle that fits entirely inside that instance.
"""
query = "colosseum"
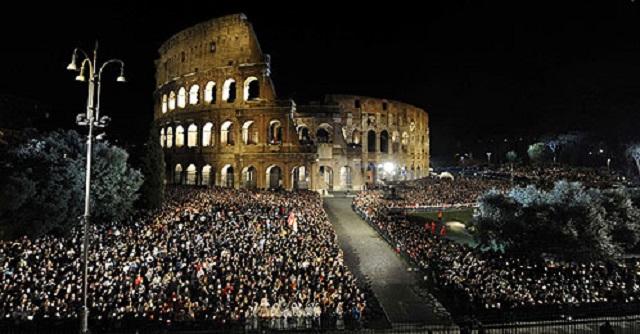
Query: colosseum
(221, 123)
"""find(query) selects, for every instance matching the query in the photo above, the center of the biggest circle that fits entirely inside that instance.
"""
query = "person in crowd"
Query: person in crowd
(222, 256)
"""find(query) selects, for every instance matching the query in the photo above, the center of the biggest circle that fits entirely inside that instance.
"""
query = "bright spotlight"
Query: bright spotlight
(389, 167)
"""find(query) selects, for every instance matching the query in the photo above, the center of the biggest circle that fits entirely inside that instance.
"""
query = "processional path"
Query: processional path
(369, 255)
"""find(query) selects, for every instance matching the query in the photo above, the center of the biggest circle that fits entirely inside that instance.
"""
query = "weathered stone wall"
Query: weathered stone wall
(255, 140)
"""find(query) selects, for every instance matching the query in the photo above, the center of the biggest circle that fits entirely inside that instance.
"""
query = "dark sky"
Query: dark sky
(479, 68)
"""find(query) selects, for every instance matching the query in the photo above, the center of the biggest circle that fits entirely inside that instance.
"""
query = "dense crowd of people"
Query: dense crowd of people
(436, 192)
(546, 177)
(491, 280)
(246, 257)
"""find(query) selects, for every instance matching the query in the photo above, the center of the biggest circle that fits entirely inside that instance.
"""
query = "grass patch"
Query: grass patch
(463, 216)
(455, 233)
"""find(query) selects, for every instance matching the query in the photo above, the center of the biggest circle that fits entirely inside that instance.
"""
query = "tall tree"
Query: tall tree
(153, 169)
(539, 152)
(45, 179)
(633, 151)
(567, 220)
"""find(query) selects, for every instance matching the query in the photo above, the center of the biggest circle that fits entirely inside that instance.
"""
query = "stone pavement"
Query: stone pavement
(369, 255)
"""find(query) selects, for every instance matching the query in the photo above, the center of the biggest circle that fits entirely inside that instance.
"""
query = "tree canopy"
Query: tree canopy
(43, 183)
(567, 220)
(152, 167)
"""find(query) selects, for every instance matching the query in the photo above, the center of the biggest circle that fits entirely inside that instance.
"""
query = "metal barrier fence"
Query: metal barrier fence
(617, 325)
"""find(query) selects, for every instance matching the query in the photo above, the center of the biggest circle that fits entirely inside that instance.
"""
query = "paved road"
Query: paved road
(367, 254)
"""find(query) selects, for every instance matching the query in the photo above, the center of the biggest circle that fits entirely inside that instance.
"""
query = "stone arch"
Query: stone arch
(192, 175)
(303, 135)
(179, 136)
(249, 133)
(210, 92)
(164, 103)
(355, 137)
(194, 94)
(192, 135)
(275, 177)
(395, 139)
(300, 177)
(227, 134)
(405, 141)
(207, 176)
(384, 141)
(207, 135)
(249, 177)
(371, 173)
(323, 133)
(226, 176)
(275, 132)
(163, 138)
(346, 177)
(177, 174)
(172, 100)
(169, 137)
(229, 91)
(251, 89)
(371, 141)
(182, 97)
(326, 176)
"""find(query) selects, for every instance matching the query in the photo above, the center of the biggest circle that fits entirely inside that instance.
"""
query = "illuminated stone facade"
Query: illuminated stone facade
(221, 123)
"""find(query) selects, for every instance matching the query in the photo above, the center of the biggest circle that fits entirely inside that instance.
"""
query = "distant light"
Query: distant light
(601, 151)
(389, 167)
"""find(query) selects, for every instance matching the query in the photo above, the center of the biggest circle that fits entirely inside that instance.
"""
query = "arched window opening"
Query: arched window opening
(179, 136)
(206, 134)
(371, 141)
(169, 137)
(182, 97)
(323, 133)
(177, 174)
(210, 92)
(192, 175)
(303, 135)
(249, 133)
(172, 100)
(355, 138)
(192, 140)
(274, 177)
(275, 132)
(346, 177)
(226, 175)
(251, 89)
(384, 141)
(227, 136)
(249, 178)
(229, 91)
(395, 141)
(326, 175)
(300, 177)
(405, 141)
(207, 178)
(194, 94)
(163, 138)
(164, 103)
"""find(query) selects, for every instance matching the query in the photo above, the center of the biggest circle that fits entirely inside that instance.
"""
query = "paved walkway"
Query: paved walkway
(369, 255)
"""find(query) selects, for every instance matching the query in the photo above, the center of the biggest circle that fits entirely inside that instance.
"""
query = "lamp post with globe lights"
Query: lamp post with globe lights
(90, 119)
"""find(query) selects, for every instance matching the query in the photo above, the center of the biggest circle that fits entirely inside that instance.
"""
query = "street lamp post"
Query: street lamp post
(91, 119)
(488, 158)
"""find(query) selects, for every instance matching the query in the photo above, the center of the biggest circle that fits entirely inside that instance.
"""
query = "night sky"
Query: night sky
(480, 68)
